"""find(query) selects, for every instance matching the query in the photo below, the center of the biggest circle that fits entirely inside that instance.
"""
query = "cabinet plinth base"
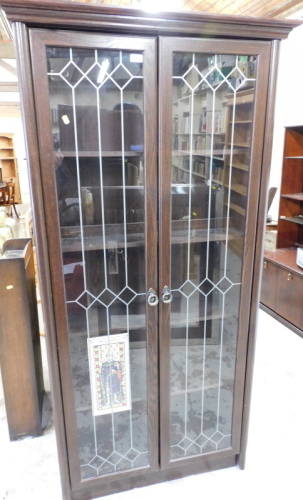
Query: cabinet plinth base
(148, 479)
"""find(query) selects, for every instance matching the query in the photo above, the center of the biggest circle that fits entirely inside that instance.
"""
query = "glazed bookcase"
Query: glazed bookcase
(149, 176)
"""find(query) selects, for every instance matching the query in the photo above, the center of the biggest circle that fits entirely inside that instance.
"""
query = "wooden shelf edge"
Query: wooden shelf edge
(237, 209)
(294, 196)
(240, 166)
(284, 257)
(95, 154)
(293, 220)
(237, 188)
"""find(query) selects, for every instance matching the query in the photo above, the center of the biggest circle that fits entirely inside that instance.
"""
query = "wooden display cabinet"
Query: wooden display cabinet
(282, 287)
(150, 306)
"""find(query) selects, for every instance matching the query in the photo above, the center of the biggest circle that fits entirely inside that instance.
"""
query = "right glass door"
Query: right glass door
(212, 108)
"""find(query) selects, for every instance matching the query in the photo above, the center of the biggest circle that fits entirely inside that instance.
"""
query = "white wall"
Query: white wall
(289, 102)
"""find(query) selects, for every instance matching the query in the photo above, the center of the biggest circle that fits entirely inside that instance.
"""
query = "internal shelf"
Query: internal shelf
(198, 175)
(237, 209)
(240, 166)
(236, 122)
(238, 188)
(123, 187)
(297, 219)
(71, 239)
(204, 153)
(96, 154)
(239, 145)
(294, 196)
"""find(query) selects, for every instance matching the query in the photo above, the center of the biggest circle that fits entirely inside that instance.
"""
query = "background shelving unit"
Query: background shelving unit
(8, 169)
(200, 134)
(282, 287)
(237, 157)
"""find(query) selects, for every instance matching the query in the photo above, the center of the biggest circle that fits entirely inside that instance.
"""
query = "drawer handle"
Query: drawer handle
(289, 277)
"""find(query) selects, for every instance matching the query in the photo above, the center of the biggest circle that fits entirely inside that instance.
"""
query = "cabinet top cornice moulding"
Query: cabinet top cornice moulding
(68, 14)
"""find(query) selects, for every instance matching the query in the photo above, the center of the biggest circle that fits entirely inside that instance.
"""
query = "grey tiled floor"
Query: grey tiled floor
(29, 469)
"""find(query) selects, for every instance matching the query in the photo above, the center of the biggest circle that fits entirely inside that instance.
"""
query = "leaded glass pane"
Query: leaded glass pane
(212, 113)
(96, 100)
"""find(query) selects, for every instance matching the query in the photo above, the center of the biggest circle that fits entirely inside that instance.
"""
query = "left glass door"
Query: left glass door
(99, 175)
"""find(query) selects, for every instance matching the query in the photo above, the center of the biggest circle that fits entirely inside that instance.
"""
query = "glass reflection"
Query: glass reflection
(96, 100)
(212, 113)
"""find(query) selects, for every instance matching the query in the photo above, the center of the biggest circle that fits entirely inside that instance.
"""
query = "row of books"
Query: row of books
(200, 145)
(203, 167)
(206, 121)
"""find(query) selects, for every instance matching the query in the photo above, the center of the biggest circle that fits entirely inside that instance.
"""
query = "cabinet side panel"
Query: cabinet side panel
(259, 248)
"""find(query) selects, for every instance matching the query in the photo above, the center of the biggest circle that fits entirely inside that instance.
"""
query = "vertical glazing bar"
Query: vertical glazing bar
(101, 180)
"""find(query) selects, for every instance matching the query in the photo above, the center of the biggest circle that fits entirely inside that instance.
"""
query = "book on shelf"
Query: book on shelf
(186, 123)
(184, 145)
(185, 177)
(174, 174)
(215, 167)
(185, 163)
(196, 123)
(202, 121)
(199, 167)
(224, 119)
(214, 122)
(217, 172)
(199, 143)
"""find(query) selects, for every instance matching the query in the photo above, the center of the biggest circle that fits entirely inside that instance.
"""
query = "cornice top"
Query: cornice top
(67, 14)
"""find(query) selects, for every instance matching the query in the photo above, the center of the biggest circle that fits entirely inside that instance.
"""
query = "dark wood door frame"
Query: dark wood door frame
(263, 51)
(39, 41)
